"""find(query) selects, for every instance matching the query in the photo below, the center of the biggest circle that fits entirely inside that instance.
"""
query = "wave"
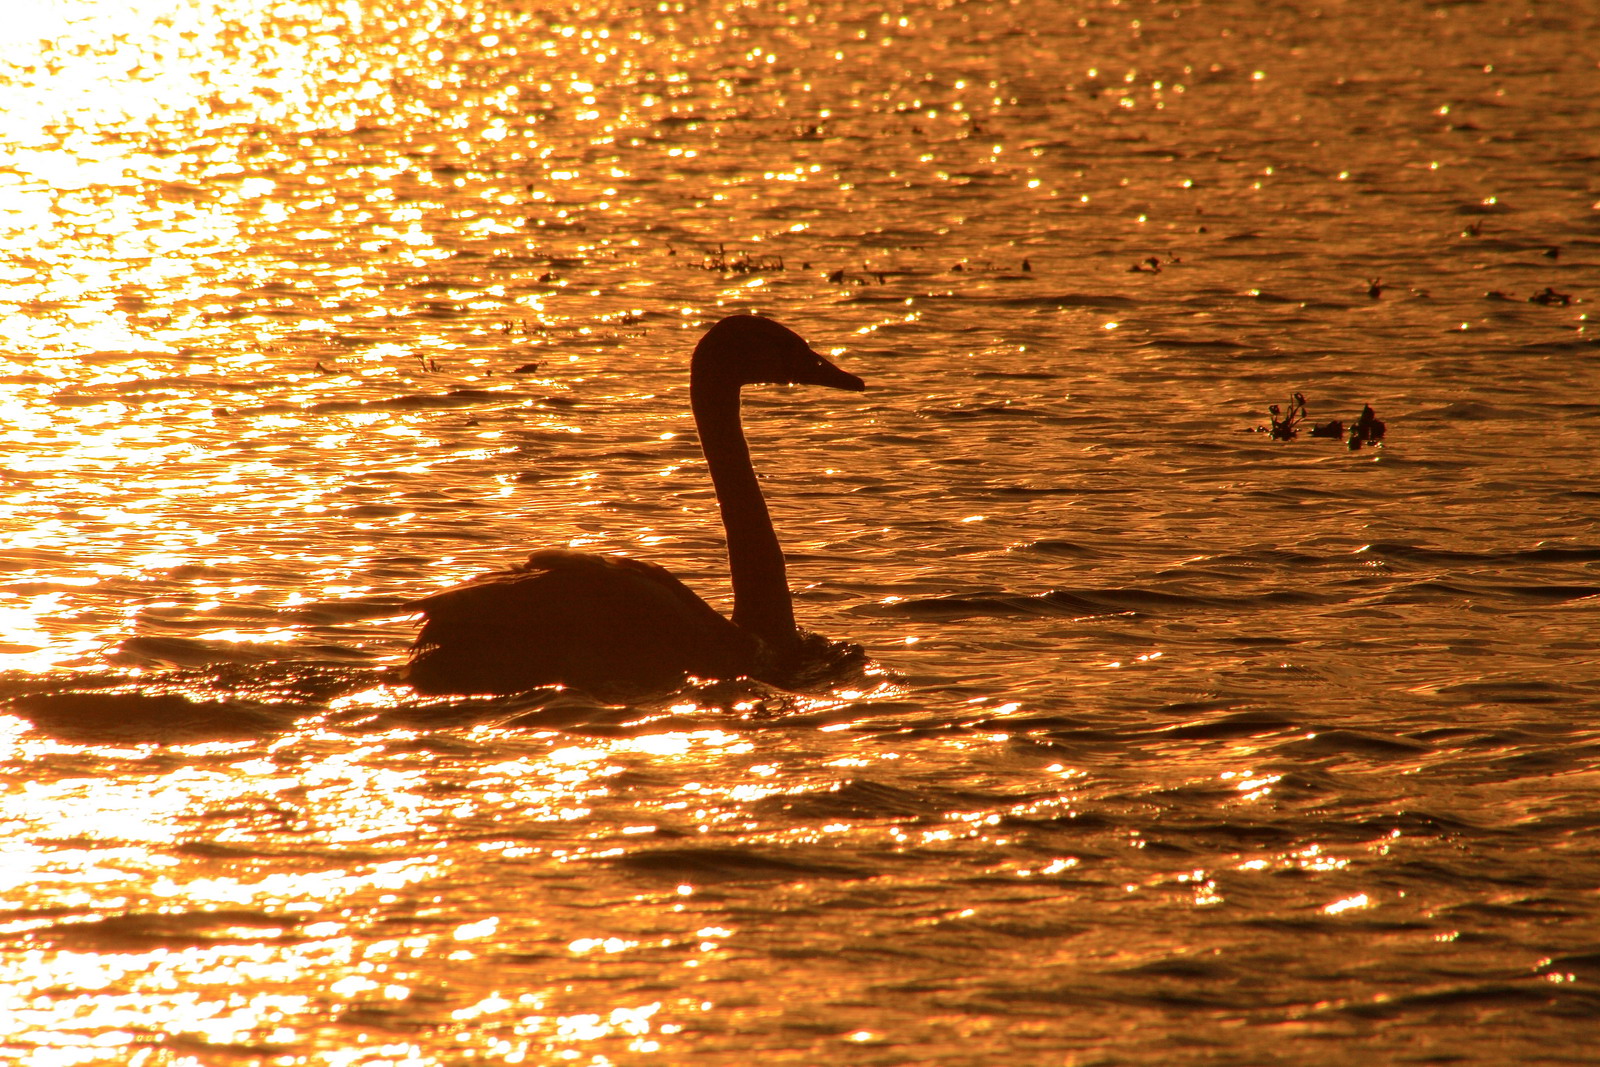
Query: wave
(1540, 554)
(737, 864)
(1081, 602)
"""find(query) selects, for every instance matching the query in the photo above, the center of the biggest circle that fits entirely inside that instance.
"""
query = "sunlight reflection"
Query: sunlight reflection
(266, 930)
(1250, 785)
(1309, 858)
(80, 1004)
(1338, 907)
(310, 306)
(600, 944)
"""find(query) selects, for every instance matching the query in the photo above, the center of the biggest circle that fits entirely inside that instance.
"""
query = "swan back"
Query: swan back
(608, 624)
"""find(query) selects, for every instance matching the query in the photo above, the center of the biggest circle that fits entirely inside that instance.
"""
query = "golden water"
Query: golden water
(1182, 744)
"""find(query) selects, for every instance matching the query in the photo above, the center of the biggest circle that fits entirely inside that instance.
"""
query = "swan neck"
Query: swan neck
(761, 602)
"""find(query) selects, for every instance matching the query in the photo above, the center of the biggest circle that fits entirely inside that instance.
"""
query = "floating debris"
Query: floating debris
(1368, 429)
(1549, 297)
(1287, 423)
(1375, 287)
(868, 275)
(1154, 264)
(526, 368)
(988, 266)
(740, 262)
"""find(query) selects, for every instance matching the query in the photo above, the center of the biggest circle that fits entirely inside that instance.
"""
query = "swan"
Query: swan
(612, 624)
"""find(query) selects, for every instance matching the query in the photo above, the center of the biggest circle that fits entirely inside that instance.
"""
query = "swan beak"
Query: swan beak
(826, 374)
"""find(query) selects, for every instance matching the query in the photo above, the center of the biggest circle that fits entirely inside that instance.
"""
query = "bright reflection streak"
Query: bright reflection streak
(165, 217)
(271, 931)
(1347, 904)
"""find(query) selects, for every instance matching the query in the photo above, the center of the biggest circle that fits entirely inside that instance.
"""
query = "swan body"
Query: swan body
(613, 624)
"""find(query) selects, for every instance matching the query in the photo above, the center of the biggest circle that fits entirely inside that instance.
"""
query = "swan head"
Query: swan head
(751, 350)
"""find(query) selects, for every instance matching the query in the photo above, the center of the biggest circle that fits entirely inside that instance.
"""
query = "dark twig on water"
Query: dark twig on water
(1286, 425)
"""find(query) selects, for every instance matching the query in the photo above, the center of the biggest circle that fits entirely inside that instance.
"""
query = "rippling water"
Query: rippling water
(1182, 744)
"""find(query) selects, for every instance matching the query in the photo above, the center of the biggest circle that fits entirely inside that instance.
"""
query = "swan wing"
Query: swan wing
(609, 624)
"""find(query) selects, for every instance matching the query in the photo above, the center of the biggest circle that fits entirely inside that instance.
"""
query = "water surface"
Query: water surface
(1180, 744)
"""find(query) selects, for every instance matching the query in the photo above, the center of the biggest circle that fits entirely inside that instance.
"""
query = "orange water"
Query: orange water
(1182, 744)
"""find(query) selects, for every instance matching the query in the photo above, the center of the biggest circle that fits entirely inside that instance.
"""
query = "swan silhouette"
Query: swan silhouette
(613, 624)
